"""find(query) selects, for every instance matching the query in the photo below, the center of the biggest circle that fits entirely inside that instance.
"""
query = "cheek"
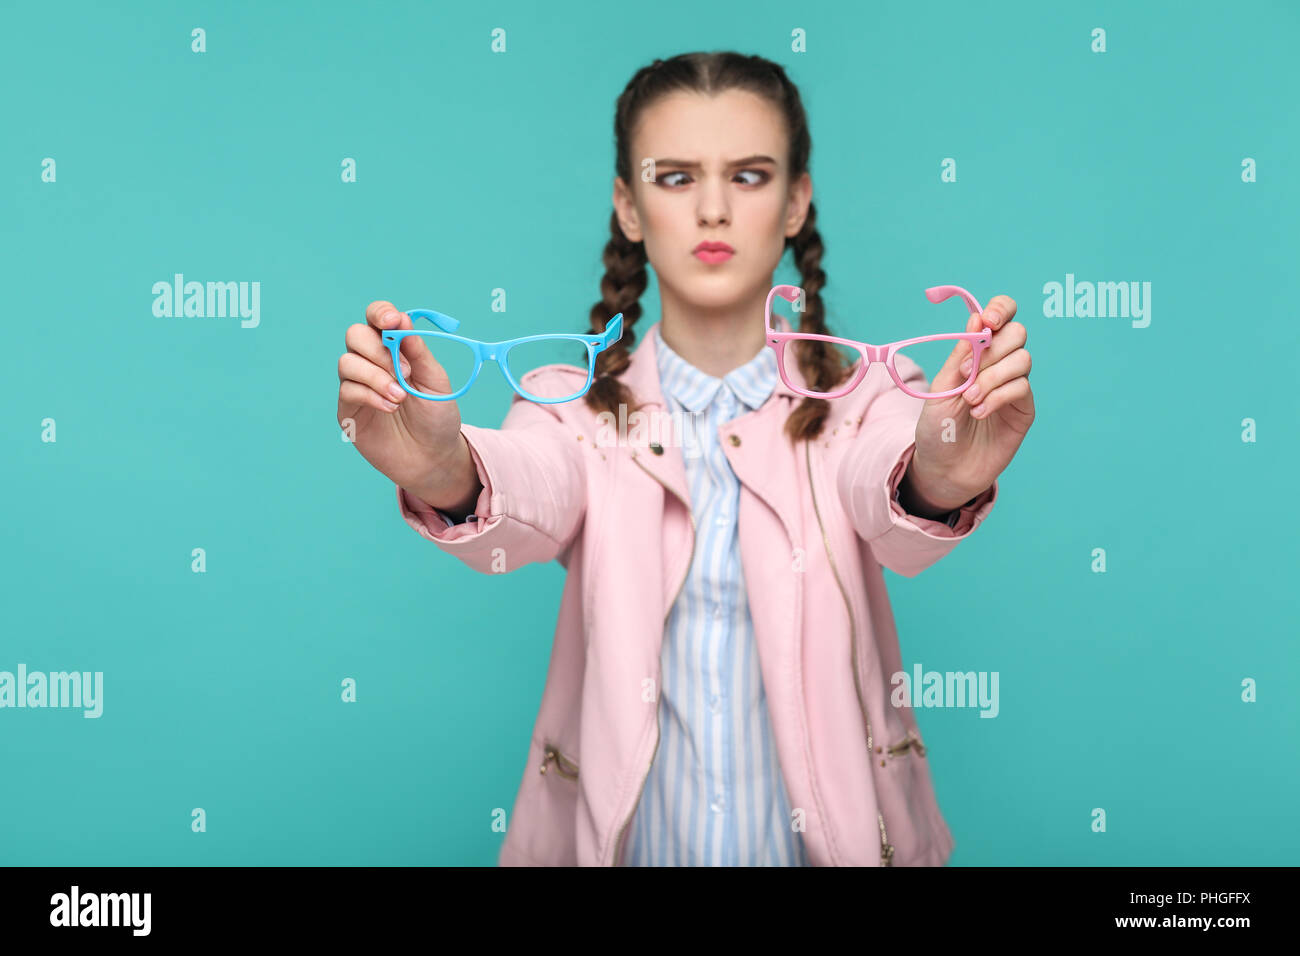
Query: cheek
(767, 240)
(765, 221)
(660, 222)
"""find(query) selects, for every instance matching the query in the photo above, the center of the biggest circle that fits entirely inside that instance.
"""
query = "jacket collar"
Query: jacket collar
(753, 445)
(695, 390)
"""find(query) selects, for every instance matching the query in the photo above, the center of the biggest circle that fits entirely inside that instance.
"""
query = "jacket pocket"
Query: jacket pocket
(906, 800)
(543, 828)
(557, 764)
(909, 744)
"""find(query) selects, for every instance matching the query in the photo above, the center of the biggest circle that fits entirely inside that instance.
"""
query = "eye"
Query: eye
(759, 177)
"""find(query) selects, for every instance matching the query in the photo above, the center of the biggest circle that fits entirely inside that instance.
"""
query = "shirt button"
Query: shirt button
(717, 611)
(715, 704)
(722, 521)
(719, 803)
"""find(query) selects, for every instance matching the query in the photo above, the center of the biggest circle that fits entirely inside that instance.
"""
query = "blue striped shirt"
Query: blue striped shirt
(714, 795)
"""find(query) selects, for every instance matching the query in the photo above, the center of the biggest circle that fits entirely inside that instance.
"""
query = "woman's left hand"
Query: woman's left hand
(984, 425)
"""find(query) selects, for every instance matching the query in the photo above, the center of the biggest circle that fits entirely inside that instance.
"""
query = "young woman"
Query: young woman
(719, 685)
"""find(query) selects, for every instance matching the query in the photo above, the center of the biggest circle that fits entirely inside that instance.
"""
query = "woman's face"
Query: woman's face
(720, 175)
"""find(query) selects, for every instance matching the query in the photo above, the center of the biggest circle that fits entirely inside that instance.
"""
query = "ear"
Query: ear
(625, 208)
(798, 203)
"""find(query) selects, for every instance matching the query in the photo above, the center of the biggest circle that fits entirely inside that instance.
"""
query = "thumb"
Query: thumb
(950, 375)
(425, 374)
(974, 323)
(964, 349)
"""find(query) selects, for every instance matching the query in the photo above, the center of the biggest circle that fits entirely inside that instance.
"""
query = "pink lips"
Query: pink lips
(712, 252)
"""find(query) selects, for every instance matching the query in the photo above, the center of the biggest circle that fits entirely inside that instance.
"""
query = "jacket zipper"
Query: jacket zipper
(853, 628)
(622, 831)
(563, 765)
(886, 850)
(912, 740)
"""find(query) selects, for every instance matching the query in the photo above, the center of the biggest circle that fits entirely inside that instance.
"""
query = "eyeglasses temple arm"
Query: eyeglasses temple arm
(613, 331)
(940, 292)
(444, 322)
(788, 292)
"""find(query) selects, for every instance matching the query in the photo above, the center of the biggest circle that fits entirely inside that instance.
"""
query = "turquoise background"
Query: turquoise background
(479, 170)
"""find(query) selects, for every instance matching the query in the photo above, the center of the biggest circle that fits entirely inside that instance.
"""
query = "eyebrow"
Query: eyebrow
(691, 164)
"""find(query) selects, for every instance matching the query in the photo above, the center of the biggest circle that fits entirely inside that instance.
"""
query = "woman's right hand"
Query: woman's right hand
(412, 440)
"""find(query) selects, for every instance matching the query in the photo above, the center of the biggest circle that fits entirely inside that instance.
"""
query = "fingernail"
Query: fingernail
(978, 411)
(388, 405)
(395, 390)
(973, 393)
(966, 366)
(406, 367)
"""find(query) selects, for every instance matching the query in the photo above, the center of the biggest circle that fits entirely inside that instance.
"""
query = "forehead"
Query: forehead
(710, 128)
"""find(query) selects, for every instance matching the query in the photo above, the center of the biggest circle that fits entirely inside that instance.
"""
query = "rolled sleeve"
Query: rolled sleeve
(533, 499)
(955, 524)
(434, 524)
(869, 479)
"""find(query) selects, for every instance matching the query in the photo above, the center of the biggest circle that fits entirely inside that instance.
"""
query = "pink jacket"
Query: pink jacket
(816, 523)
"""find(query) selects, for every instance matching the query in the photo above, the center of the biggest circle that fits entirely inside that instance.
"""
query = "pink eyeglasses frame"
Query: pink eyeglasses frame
(979, 341)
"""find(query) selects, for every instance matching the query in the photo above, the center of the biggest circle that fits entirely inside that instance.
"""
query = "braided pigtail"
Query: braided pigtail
(823, 365)
(620, 291)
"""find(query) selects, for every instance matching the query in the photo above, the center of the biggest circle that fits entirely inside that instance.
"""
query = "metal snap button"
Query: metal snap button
(657, 448)
(734, 439)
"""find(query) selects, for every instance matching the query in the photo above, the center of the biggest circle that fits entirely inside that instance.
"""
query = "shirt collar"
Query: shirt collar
(695, 390)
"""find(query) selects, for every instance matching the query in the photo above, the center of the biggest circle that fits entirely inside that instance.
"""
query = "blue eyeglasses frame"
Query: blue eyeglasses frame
(496, 352)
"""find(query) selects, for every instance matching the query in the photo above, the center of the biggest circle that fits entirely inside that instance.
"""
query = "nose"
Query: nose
(712, 209)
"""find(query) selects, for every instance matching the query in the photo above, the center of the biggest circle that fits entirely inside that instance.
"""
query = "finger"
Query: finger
(1016, 390)
(362, 340)
(354, 368)
(423, 366)
(1015, 365)
(950, 375)
(416, 351)
(384, 315)
(999, 310)
(990, 318)
(359, 394)
(996, 315)
(1005, 341)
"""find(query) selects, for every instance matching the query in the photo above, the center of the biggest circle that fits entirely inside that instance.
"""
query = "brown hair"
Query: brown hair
(625, 273)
